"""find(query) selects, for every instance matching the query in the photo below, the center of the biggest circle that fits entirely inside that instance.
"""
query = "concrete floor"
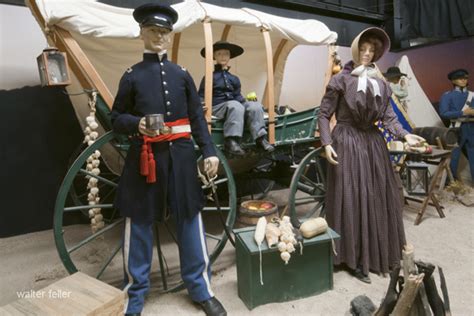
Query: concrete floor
(30, 262)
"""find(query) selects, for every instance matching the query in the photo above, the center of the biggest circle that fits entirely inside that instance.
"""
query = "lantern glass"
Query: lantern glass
(417, 178)
(53, 68)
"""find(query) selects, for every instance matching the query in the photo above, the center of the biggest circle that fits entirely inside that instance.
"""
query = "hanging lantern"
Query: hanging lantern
(417, 178)
(53, 68)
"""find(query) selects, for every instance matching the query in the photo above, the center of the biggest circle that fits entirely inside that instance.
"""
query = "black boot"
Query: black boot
(212, 307)
(232, 146)
(263, 143)
(361, 276)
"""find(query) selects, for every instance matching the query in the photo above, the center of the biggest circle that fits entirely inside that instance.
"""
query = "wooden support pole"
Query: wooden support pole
(209, 70)
(78, 61)
(175, 47)
(270, 104)
(225, 32)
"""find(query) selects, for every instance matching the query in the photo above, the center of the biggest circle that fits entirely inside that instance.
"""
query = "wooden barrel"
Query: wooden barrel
(448, 136)
(250, 211)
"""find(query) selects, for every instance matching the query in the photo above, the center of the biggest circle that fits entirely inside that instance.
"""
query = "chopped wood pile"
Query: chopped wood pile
(411, 293)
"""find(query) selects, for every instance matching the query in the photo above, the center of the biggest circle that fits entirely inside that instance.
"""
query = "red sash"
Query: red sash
(147, 159)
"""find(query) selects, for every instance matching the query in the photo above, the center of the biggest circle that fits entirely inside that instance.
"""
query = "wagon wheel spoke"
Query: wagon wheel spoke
(107, 262)
(86, 207)
(213, 236)
(107, 181)
(307, 189)
(94, 236)
(215, 209)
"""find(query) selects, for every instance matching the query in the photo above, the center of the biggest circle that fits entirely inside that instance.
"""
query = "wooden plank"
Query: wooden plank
(77, 294)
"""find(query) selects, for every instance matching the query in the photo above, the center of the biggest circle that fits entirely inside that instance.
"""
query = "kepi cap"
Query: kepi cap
(161, 15)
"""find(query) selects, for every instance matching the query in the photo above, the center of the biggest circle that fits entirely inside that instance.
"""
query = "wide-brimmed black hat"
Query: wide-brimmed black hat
(235, 50)
(161, 15)
(393, 72)
(458, 73)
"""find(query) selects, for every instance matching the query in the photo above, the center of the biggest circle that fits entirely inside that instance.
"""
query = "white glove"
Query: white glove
(330, 154)
(211, 165)
(143, 130)
(414, 140)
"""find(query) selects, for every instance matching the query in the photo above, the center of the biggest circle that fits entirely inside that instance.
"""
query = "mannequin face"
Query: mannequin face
(222, 57)
(394, 79)
(155, 38)
(366, 53)
(461, 82)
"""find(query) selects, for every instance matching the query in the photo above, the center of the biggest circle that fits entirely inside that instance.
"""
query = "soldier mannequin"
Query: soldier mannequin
(397, 81)
(457, 105)
(155, 86)
(228, 102)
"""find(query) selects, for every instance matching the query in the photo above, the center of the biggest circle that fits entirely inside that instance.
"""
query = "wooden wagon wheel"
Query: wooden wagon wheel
(308, 188)
(98, 254)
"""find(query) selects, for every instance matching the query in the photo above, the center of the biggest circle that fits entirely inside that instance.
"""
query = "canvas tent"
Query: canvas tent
(108, 37)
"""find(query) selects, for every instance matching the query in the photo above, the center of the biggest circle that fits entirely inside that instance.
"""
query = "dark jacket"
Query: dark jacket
(149, 87)
(225, 87)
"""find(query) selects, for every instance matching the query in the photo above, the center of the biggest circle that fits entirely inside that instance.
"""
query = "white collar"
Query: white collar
(456, 88)
(366, 73)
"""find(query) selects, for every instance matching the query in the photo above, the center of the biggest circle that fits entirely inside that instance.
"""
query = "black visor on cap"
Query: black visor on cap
(157, 20)
(156, 14)
(457, 74)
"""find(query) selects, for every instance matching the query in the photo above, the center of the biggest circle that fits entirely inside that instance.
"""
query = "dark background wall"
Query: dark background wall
(38, 134)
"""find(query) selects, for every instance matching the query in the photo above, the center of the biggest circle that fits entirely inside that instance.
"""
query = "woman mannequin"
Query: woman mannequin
(363, 204)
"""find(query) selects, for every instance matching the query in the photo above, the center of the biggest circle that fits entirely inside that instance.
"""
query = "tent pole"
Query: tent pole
(209, 71)
(174, 50)
(79, 63)
(225, 32)
(270, 100)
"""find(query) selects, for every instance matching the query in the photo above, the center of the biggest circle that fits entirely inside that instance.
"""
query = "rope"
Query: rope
(206, 16)
(93, 163)
(262, 25)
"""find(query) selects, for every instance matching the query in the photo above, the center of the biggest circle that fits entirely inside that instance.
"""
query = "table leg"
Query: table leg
(430, 194)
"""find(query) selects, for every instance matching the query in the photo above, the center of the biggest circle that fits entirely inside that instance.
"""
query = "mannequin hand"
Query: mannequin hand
(414, 140)
(330, 154)
(211, 165)
(143, 130)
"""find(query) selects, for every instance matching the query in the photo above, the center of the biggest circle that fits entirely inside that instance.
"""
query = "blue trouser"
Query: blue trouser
(138, 253)
(235, 113)
(466, 145)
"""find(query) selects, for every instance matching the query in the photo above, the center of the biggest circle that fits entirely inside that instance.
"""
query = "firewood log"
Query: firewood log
(444, 290)
(392, 295)
(430, 286)
(407, 296)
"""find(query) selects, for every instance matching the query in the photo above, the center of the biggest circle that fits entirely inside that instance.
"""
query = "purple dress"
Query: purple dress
(362, 200)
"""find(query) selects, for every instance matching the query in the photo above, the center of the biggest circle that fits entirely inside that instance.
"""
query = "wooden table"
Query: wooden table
(439, 157)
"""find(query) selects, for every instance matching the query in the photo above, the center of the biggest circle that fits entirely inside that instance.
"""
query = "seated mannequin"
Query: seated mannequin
(229, 104)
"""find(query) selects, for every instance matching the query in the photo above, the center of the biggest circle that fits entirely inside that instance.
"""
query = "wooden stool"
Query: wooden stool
(77, 294)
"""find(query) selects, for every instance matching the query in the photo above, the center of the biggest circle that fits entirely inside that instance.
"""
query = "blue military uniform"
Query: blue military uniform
(157, 86)
(228, 103)
(450, 107)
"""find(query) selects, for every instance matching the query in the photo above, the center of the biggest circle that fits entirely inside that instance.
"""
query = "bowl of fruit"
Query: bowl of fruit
(250, 211)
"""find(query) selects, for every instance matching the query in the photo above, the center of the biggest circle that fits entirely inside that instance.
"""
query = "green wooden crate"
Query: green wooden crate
(305, 275)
